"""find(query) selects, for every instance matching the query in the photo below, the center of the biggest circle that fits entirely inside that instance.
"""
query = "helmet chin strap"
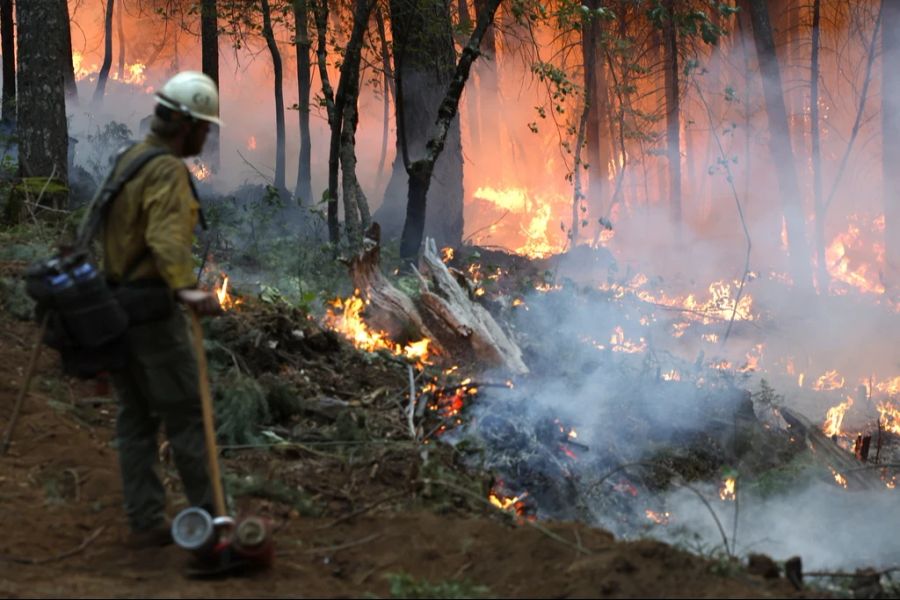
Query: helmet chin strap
(177, 106)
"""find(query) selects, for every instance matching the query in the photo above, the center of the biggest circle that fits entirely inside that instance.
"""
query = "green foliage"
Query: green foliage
(404, 585)
(106, 141)
(274, 490)
(241, 408)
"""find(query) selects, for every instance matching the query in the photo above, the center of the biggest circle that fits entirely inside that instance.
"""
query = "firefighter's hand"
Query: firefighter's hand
(200, 301)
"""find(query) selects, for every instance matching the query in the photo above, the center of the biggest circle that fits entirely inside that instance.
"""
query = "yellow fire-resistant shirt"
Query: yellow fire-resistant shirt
(156, 209)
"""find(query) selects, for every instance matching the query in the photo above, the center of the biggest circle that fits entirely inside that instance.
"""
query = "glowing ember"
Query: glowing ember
(446, 254)
(251, 143)
(513, 504)
(660, 518)
(726, 492)
(840, 479)
(835, 417)
(672, 375)
(199, 170)
(345, 317)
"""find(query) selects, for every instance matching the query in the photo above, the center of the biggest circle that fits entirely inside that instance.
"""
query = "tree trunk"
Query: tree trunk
(815, 138)
(421, 170)
(890, 124)
(388, 92)
(68, 66)
(597, 127)
(107, 56)
(424, 60)
(320, 10)
(780, 144)
(209, 48)
(7, 33)
(343, 139)
(303, 189)
(279, 98)
(42, 129)
(120, 32)
(673, 123)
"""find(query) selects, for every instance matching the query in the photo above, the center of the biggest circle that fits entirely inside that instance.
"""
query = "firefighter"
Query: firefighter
(147, 238)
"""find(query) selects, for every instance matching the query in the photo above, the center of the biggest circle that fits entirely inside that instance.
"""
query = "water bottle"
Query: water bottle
(84, 272)
(61, 281)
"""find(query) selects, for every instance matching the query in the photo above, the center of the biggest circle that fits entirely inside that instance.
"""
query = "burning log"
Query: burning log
(444, 313)
(389, 309)
(844, 464)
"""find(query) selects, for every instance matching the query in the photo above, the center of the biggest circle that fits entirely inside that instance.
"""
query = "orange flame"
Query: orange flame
(345, 317)
(660, 518)
(727, 491)
(835, 417)
(226, 301)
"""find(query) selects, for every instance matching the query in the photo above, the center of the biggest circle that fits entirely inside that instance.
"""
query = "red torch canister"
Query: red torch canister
(253, 540)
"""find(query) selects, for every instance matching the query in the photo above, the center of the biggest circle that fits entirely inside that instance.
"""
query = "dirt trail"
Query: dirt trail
(59, 486)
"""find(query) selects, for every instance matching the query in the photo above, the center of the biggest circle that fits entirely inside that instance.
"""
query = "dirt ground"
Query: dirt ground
(64, 528)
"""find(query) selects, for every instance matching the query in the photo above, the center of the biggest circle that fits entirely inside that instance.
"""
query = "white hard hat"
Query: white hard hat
(192, 93)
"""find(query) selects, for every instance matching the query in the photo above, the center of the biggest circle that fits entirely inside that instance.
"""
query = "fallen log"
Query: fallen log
(831, 454)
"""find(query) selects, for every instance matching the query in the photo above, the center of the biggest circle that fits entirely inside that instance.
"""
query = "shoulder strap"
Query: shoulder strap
(108, 191)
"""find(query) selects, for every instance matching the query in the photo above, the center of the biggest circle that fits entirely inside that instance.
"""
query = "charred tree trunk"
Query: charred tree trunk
(7, 34)
(320, 11)
(673, 110)
(303, 189)
(815, 138)
(890, 126)
(107, 56)
(343, 138)
(209, 47)
(421, 170)
(424, 60)
(279, 98)
(780, 144)
(68, 66)
(42, 130)
(596, 140)
(120, 33)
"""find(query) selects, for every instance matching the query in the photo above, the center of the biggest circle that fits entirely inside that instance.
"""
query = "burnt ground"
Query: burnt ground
(350, 523)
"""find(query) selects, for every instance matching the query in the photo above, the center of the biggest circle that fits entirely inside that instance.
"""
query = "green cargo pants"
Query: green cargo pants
(159, 385)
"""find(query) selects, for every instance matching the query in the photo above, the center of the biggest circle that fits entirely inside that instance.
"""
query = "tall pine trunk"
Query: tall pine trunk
(303, 188)
(356, 209)
(7, 39)
(597, 138)
(120, 33)
(890, 127)
(209, 49)
(42, 128)
(816, 150)
(780, 144)
(269, 35)
(68, 66)
(673, 110)
(107, 56)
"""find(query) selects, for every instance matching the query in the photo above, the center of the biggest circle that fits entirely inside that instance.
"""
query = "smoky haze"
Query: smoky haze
(588, 387)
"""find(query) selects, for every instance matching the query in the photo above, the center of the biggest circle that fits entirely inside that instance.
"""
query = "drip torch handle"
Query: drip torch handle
(212, 451)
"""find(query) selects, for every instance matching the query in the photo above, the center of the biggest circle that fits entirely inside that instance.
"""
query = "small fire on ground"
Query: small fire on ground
(345, 317)
(226, 300)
